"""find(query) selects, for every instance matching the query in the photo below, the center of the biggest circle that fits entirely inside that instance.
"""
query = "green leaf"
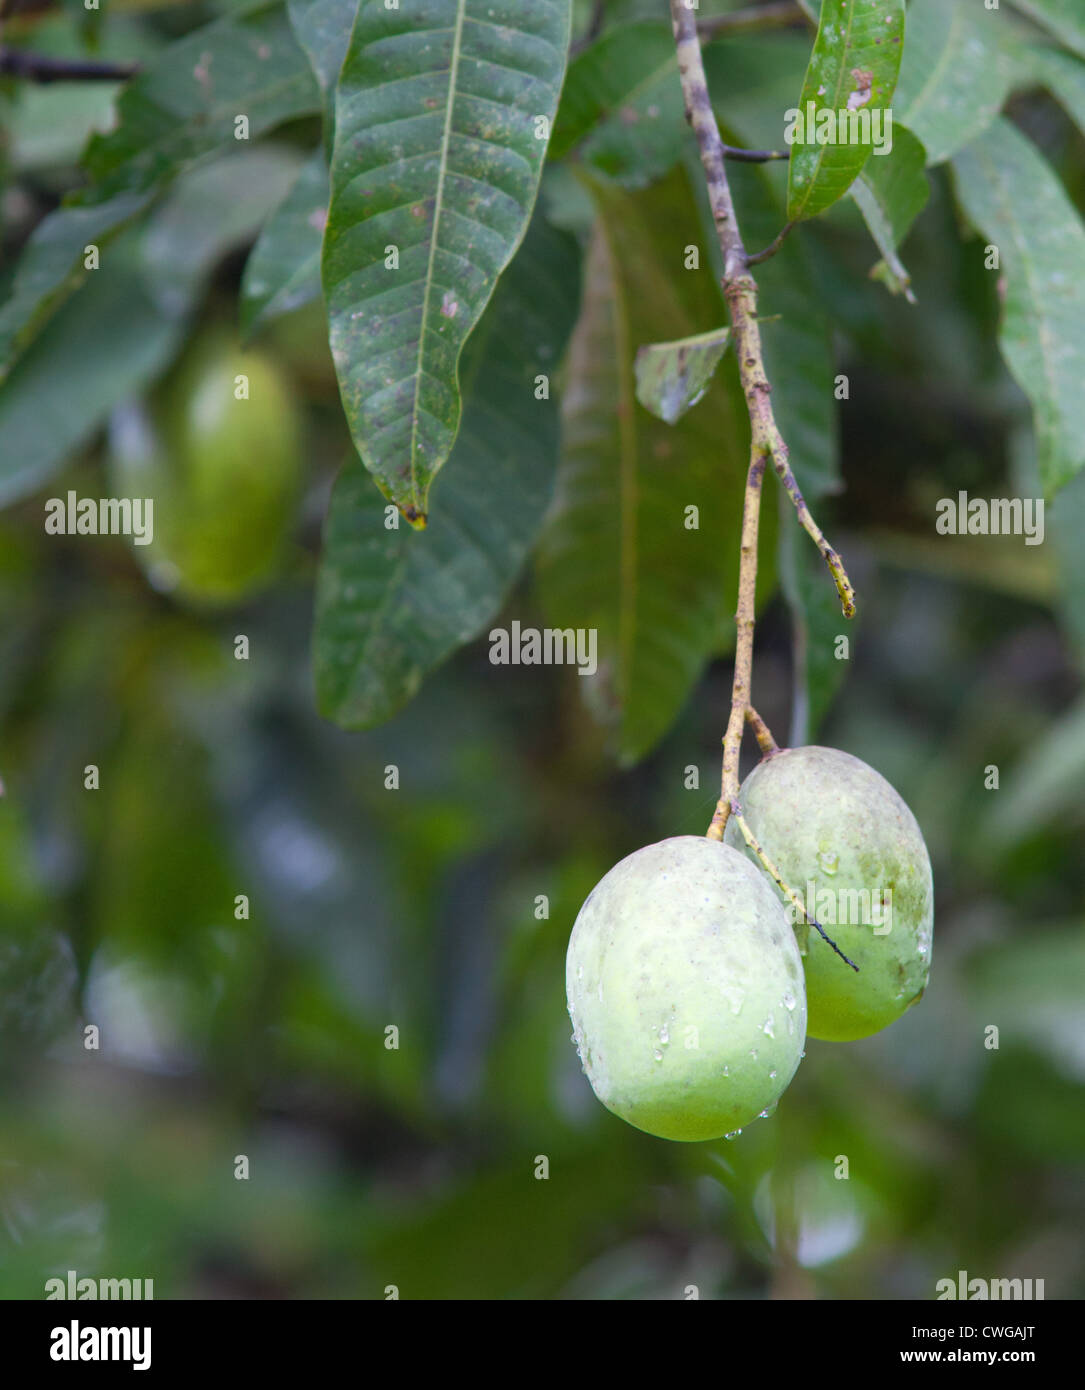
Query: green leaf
(816, 624)
(438, 153)
(622, 105)
(98, 349)
(52, 265)
(1045, 786)
(852, 74)
(955, 74)
(323, 30)
(672, 377)
(891, 193)
(1064, 77)
(393, 603)
(187, 102)
(182, 106)
(1013, 197)
(283, 269)
(620, 554)
(122, 330)
(1063, 18)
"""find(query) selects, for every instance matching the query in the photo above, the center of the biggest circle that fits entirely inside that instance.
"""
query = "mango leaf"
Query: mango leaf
(1045, 786)
(850, 79)
(1063, 18)
(393, 603)
(642, 542)
(323, 29)
(1068, 526)
(1064, 77)
(955, 75)
(1012, 196)
(52, 265)
(283, 269)
(672, 377)
(122, 330)
(891, 193)
(182, 106)
(442, 121)
(98, 349)
(622, 107)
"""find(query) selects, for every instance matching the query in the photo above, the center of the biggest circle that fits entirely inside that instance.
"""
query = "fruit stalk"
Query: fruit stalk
(766, 442)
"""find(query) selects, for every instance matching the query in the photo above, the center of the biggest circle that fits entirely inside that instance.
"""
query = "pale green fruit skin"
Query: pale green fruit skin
(807, 805)
(224, 473)
(684, 943)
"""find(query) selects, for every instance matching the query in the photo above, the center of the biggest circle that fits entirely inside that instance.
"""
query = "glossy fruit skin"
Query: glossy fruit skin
(224, 472)
(685, 990)
(831, 824)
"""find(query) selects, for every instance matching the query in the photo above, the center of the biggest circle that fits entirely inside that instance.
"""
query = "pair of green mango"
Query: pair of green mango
(689, 997)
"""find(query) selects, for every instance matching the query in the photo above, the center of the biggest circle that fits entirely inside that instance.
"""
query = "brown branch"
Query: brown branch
(43, 67)
(780, 15)
(766, 442)
(753, 156)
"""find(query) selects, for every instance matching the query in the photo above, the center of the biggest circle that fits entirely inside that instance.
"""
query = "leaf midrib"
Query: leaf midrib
(823, 150)
(453, 73)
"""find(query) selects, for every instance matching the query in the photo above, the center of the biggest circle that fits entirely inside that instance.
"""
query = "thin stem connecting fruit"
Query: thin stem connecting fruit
(784, 887)
(766, 442)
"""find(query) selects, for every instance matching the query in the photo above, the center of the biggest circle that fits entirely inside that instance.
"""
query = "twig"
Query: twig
(765, 740)
(753, 156)
(780, 15)
(772, 248)
(778, 878)
(766, 442)
(43, 67)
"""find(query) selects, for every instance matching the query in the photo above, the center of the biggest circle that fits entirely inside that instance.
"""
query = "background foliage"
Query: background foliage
(417, 907)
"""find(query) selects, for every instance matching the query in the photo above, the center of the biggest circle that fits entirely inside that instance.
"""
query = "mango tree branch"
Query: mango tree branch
(779, 15)
(766, 442)
(43, 67)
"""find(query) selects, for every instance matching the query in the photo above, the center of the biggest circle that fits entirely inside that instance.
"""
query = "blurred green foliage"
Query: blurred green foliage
(417, 908)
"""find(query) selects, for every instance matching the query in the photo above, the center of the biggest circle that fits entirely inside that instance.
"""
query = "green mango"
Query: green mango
(685, 990)
(217, 449)
(846, 843)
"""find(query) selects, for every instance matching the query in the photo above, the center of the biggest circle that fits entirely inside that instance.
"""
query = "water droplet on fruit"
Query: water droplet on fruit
(735, 996)
(664, 1036)
(733, 1135)
(789, 1001)
(658, 1055)
(769, 1027)
(829, 861)
(727, 1071)
(753, 1053)
(772, 1075)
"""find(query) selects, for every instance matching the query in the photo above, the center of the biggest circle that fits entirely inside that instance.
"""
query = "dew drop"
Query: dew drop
(664, 1036)
(769, 1027)
(789, 1001)
(772, 1075)
(658, 1055)
(733, 1135)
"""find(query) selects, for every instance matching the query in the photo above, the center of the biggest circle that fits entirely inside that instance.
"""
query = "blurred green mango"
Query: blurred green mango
(218, 449)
